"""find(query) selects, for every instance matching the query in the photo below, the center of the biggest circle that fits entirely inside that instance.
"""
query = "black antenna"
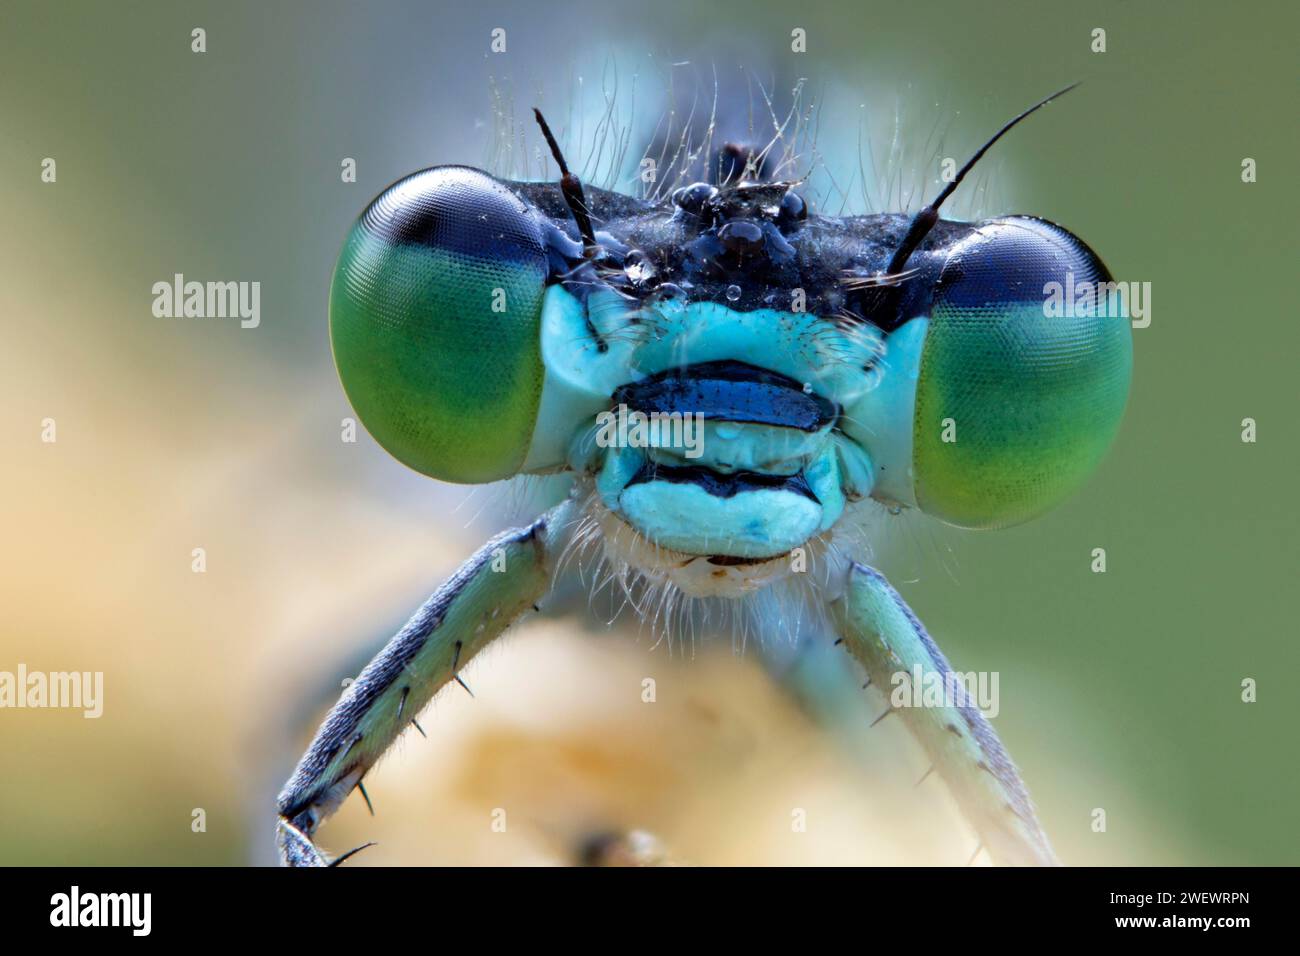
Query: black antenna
(924, 220)
(570, 187)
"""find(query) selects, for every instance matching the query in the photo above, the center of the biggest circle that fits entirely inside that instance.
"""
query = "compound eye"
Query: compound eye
(1022, 382)
(434, 320)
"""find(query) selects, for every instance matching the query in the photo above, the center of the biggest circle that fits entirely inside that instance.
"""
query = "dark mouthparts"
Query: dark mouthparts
(730, 391)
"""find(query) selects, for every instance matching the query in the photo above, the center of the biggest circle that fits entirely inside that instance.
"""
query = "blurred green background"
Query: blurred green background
(1118, 691)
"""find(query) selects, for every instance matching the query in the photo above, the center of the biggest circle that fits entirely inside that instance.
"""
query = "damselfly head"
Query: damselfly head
(803, 363)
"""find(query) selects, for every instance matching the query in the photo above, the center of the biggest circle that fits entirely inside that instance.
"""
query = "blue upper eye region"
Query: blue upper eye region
(1011, 261)
(460, 211)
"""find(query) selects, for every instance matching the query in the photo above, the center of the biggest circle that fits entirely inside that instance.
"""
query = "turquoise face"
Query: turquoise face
(770, 469)
(478, 340)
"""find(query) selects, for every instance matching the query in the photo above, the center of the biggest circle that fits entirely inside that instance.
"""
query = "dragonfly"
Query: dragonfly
(803, 367)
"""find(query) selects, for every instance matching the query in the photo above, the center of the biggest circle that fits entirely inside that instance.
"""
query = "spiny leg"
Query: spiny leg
(488, 592)
(881, 631)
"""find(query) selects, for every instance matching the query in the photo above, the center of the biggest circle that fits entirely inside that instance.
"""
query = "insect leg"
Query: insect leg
(502, 580)
(883, 634)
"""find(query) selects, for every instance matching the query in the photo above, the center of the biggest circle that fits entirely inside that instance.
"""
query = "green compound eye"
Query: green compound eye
(434, 315)
(1017, 400)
